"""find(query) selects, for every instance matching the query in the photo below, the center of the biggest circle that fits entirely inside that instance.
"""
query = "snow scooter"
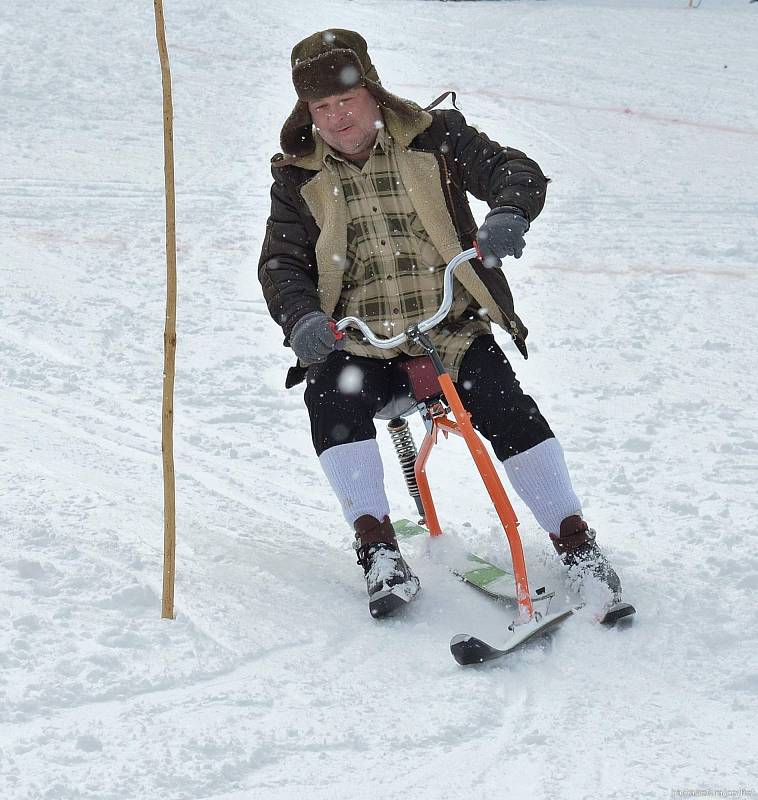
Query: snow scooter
(429, 389)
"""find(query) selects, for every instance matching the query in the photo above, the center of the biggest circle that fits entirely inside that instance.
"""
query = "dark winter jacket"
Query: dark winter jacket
(441, 159)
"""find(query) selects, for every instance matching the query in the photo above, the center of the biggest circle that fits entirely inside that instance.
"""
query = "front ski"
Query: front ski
(476, 571)
(469, 650)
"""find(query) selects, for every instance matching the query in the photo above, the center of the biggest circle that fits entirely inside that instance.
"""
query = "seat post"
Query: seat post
(405, 447)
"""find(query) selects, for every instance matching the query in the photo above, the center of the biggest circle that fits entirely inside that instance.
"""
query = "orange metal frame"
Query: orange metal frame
(462, 427)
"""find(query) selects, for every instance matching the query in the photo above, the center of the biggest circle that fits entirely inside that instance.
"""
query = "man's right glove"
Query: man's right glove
(314, 337)
(502, 234)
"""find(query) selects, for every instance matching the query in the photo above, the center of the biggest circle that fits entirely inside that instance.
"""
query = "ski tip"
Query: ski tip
(468, 650)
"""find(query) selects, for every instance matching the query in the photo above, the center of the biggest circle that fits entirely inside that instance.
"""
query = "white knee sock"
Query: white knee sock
(356, 475)
(541, 479)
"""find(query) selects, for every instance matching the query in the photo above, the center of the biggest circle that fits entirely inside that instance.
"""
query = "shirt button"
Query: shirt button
(389, 277)
(374, 208)
(383, 242)
(395, 310)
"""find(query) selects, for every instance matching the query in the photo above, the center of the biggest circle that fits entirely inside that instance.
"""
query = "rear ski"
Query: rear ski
(494, 581)
(498, 583)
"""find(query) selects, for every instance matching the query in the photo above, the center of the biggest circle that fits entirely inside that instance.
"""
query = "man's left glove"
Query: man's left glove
(314, 337)
(501, 235)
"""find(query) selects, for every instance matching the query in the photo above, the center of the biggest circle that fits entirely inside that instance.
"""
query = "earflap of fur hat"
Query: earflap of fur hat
(296, 137)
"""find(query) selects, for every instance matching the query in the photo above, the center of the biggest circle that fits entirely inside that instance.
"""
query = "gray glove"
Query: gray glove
(314, 337)
(501, 235)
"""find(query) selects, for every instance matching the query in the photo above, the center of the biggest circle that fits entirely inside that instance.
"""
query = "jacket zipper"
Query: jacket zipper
(446, 188)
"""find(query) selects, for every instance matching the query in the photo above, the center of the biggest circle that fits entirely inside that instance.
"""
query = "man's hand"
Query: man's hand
(314, 337)
(501, 235)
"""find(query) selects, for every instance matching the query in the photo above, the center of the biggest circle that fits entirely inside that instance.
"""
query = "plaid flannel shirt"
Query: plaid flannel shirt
(394, 275)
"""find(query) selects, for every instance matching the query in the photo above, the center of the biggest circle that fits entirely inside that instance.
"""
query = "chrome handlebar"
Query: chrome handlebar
(424, 325)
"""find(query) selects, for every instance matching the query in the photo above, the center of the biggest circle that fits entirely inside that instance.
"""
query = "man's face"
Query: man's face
(348, 122)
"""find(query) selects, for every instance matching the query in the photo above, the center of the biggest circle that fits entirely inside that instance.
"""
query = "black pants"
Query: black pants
(345, 392)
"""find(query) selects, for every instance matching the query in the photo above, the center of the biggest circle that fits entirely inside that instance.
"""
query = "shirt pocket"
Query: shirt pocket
(428, 256)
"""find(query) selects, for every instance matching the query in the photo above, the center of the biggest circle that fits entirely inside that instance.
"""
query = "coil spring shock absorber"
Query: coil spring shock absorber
(405, 447)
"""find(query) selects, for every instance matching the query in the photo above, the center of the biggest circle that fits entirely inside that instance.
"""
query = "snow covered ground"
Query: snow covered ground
(638, 285)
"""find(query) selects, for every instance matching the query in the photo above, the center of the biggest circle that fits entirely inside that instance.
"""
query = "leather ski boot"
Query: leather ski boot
(579, 552)
(390, 582)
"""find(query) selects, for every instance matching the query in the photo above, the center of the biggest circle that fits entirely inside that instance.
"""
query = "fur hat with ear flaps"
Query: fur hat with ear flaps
(329, 63)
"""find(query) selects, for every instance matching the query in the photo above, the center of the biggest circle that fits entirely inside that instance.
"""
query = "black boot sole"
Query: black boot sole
(616, 612)
(387, 603)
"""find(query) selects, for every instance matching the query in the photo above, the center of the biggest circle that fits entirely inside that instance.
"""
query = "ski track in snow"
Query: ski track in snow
(638, 286)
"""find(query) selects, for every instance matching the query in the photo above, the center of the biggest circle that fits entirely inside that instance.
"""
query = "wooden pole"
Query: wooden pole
(169, 333)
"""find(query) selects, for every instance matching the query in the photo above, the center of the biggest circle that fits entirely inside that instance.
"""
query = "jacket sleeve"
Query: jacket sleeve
(287, 265)
(500, 176)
